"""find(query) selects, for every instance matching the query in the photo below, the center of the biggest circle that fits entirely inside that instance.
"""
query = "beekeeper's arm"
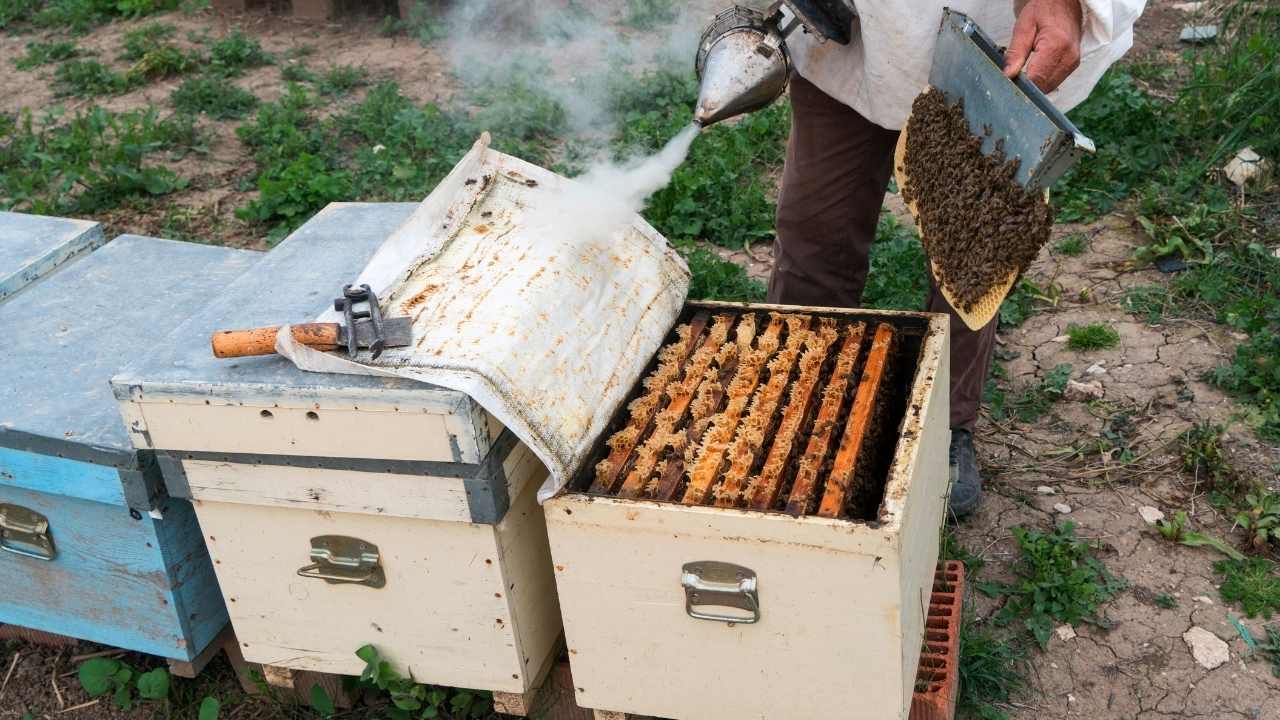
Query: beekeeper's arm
(1050, 36)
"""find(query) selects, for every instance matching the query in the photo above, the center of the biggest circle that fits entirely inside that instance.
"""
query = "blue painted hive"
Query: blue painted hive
(92, 546)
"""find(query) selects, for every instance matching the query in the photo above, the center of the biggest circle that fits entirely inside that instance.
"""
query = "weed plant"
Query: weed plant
(89, 162)
(90, 78)
(296, 72)
(1032, 401)
(1094, 336)
(1059, 581)
(139, 41)
(40, 53)
(235, 53)
(897, 279)
(341, 80)
(216, 97)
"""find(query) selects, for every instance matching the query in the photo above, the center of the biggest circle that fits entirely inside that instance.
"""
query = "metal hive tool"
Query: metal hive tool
(773, 411)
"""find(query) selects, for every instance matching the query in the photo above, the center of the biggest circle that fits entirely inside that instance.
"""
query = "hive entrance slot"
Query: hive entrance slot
(777, 411)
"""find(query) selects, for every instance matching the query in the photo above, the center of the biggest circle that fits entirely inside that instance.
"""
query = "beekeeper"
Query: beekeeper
(848, 103)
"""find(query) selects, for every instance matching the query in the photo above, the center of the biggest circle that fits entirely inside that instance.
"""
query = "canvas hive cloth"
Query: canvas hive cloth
(520, 302)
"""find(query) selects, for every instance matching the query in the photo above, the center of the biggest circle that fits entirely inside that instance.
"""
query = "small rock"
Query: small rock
(1095, 369)
(1081, 392)
(1150, 514)
(1046, 490)
(1245, 166)
(1208, 649)
(1198, 34)
(1062, 508)
(1203, 599)
(1188, 7)
(1065, 632)
(1061, 339)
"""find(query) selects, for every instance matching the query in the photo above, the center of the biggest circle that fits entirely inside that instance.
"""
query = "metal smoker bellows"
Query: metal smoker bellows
(776, 411)
(743, 63)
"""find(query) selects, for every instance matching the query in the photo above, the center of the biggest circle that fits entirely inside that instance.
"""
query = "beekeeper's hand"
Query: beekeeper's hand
(1046, 40)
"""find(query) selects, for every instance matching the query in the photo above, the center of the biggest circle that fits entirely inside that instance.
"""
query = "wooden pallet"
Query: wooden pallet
(938, 676)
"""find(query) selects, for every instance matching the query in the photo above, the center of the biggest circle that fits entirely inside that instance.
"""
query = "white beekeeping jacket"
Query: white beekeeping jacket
(880, 72)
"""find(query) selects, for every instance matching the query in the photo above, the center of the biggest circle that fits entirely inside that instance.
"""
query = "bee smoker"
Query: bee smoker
(743, 62)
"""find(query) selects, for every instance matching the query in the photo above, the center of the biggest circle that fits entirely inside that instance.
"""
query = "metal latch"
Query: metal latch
(25, 532)
(710, 583)
(342, 560)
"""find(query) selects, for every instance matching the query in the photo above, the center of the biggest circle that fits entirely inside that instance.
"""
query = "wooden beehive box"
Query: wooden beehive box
(93, 548)
(700, 612)
(343, 510)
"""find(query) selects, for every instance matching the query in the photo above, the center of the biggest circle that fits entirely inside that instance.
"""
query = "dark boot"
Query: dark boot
(966, 483)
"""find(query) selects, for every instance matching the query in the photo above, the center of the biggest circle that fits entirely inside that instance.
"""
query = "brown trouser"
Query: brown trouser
(833, 185)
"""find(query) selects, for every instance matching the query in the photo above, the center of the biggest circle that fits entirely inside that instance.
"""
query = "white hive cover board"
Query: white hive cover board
(521, 301)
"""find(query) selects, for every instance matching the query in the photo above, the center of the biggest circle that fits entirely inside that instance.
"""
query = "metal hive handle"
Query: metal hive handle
(25, 532)
(342, 560)
(720, 584)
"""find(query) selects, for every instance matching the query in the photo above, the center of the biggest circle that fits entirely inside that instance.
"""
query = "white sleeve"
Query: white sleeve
(1106, 21)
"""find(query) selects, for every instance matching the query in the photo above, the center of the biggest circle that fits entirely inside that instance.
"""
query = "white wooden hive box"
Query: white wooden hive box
(798, 616)
(343, 510)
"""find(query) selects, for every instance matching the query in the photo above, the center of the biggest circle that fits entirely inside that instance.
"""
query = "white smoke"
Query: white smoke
(574, 52)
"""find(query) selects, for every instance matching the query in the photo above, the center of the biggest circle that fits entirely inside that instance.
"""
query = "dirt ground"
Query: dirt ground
(1139, 667)
(205, 211)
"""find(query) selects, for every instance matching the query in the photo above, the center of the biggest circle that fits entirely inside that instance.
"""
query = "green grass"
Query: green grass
(341, 80)
(216, 97)
(523, 118)
(77, 16)
(1094, 336)
(304, 162)
(1253, 583)
(992, 671)
(650, 14)
(717, 279)
(89, 162)
(1073, 245)
(897, 279)
(1165, 601)
(89, 78)
(40, 53)
(1269, 649)
(1152, 303)
(1059, 581)
(16, 11)
(1162, 157)
(234, 53)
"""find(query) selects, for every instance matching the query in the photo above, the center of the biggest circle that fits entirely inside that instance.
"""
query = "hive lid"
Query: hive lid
(66, 336)
(32, 246)
(296, 280)
(541, 315)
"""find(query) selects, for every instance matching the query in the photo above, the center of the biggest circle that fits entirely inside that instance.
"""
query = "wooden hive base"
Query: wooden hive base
(938, 678)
